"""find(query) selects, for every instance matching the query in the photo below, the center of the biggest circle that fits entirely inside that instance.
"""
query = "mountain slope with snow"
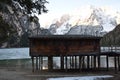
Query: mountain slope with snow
(86, 16)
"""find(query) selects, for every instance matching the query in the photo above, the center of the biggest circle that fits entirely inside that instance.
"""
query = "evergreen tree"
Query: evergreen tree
(30, 8)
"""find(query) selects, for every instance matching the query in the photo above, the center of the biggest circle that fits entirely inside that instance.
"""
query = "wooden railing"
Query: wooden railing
(110, 49)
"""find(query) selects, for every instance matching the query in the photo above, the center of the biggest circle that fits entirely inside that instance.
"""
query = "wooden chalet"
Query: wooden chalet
(74, 48)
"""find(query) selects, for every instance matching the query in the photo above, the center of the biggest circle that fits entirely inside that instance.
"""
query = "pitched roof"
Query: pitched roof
(66, 36)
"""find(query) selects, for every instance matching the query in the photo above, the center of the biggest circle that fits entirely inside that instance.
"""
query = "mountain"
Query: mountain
(16, 25)
(112, 38)
(85, 19)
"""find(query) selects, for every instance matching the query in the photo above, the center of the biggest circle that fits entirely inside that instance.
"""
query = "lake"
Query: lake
(23, 53)
(14, 53)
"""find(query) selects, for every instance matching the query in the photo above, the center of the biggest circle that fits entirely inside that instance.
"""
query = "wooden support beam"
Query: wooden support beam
(91, 61)
(94, 61)
(75, 62)
(39, 63)
(32, 63)
(118, 62)
(83, 64)
(50, 63)
(98, 62)
(107, 62)
(70, 62)
(62, 62)
(80, 57)
(115, 63)
(66, 63)
(88, 63)
(41, 59)
(36, 63)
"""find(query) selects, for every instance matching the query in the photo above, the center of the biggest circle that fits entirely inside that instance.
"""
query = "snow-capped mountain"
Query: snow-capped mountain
(104, 18)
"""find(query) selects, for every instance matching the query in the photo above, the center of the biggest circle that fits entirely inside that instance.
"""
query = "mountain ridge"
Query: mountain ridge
(91, 15)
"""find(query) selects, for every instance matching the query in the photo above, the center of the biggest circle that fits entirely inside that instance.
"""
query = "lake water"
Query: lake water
(23, 53)
(14, 53)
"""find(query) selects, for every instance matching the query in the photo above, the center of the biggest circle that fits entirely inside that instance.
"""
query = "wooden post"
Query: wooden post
(75, 62)
(36, 63)
(88, 63)
(70, 62)
(80, 62)
(32, 63)
(39, 63)
(41, 59)
(62, 62)
(118, 62)
(115, 63)
(66, 63)
(94, 61)
(98, 62)
(50, 63)
(83, 65)
(107, 63)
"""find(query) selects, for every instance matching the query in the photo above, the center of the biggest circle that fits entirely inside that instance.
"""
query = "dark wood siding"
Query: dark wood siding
(63, 46)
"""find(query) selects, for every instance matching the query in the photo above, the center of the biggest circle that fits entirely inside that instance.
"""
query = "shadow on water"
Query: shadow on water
(16, 63)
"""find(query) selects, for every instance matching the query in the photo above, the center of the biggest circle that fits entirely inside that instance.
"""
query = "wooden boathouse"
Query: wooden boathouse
(72, 50)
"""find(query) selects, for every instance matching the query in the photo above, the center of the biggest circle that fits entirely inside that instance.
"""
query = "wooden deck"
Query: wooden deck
(115, 53)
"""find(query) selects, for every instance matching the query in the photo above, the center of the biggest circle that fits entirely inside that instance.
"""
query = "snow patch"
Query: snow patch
(82, 78)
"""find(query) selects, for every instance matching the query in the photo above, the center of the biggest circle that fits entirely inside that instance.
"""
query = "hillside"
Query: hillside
(112, 38)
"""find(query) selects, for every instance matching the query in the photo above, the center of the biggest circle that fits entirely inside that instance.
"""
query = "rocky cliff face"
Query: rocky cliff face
(86, 20)
(21, 22)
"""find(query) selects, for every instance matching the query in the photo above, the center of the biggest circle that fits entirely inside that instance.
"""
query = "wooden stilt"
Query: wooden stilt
(80, 62)
(62, 62)
(83, 64)
(39, 62)
(50, 63)
(118, 62)
(98, 62)
(32, 63)
(115, 63)
(75, 62)
(107, 63)
(66, 63)
(70, 62)
(94, 61)
(91, 62)
(36, 63)
(88, 63)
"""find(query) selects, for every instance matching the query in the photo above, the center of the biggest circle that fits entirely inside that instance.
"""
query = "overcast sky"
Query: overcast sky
(58, 7)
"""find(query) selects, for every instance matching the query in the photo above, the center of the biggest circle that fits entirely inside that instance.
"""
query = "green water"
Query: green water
(18, 63)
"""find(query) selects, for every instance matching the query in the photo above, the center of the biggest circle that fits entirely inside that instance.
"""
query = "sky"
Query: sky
(58, 7)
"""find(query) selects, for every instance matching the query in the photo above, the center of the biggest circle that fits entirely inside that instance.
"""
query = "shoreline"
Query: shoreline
(27, 74)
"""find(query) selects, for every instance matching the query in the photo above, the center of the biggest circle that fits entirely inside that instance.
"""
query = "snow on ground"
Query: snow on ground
(83, 78)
